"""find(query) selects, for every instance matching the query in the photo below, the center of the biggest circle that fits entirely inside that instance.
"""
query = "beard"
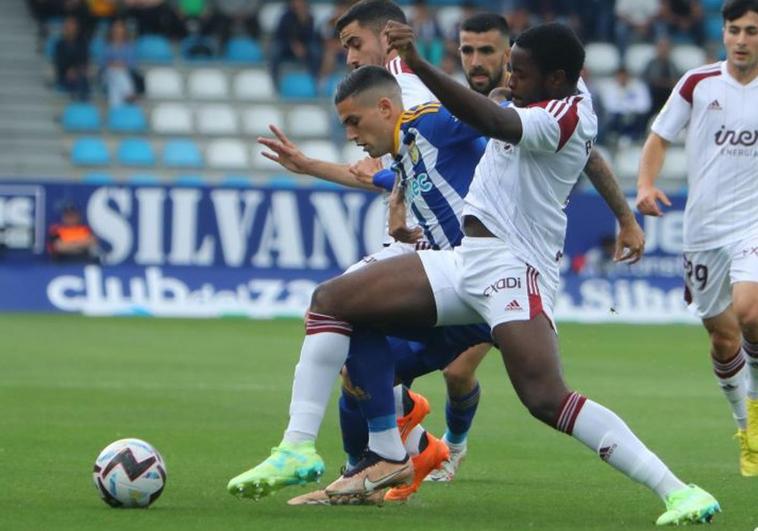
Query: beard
(493, 81)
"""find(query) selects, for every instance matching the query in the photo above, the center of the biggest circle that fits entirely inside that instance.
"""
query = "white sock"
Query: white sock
(398, 392)
(750, 351)
(322, 356)
(605, 433)
(732, 378)
(387, 443)
(413, 440)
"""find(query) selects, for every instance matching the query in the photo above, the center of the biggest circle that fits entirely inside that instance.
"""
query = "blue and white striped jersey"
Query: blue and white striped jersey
(436, 155)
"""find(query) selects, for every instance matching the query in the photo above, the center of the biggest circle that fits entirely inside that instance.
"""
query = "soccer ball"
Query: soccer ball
(129, 473)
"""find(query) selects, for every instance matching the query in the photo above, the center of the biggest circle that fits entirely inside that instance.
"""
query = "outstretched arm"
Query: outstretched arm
(287, 154)
(651, 162)
(630, 242)
(478, 111)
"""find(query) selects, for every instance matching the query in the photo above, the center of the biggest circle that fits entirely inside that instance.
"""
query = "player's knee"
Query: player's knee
(747, 314)
(724, 343)
(459, 382)
(544, 408)
(323, 300)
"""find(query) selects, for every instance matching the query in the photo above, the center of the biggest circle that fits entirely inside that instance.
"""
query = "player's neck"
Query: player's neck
(390, 56)
(742, 76)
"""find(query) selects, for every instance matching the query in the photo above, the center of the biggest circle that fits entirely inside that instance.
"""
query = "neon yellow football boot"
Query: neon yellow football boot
(288, 464)
(690, 505)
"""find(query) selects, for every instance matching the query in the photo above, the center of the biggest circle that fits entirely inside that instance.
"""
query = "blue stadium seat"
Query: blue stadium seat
(90, 151)
(143, 178)
(127, 119)
(81, 117)
(190, 180)
(96, 177)
(712, 6)
(198, 48)
(136, 152)
(154, 49)
(297, 86)
(244, 50)
(329, 86)
(180, 153)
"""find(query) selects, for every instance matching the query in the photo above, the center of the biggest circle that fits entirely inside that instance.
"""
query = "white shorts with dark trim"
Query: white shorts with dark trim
(482, 279)
(388, 251)
(709, 275)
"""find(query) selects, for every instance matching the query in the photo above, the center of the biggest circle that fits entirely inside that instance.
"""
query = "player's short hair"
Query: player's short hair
(734, 9)
(366, 78)
(484, 22)
(372, 13)
(554, 46)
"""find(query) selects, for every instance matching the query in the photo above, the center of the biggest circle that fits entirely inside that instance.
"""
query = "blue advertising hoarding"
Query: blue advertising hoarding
(259, 252)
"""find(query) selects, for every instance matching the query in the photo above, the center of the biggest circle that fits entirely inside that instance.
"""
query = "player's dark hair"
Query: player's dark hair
(483, 22)
(365, 78)
(372, 13)
(734, 9)
(554, 46)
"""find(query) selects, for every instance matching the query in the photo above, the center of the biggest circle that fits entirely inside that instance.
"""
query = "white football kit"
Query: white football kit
(721, 216)
(519, 193)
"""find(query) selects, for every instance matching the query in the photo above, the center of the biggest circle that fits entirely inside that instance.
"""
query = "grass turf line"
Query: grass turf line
(212, 396)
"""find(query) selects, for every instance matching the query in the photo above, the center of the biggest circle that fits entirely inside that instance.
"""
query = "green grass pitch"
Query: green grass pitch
(212, 396)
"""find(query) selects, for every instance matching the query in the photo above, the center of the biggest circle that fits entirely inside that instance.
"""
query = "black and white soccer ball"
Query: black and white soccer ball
(129, 473)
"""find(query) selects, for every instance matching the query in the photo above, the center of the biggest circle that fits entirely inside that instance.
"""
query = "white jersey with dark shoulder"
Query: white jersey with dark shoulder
(721, 117)
(520, 191)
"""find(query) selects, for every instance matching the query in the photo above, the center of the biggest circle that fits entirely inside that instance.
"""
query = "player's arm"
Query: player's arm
(288, 155)
(630, 242)
(480, 112)
(651, 162)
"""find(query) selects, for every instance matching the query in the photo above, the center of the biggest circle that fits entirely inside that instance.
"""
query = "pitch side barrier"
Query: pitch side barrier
(259, 252)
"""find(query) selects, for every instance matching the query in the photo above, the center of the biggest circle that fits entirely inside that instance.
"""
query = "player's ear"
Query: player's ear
(385, 106)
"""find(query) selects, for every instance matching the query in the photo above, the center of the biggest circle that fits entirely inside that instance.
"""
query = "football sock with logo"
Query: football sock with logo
(751, 355)
(371, 367)
(732, 379)
(323, 353)
(353, 426)
(459, 414)
(606, 434)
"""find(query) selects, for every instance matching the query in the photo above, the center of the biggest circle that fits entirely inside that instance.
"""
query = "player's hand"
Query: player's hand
(398, 228)
(630, 243)
(647, 200)
(285, 152)
(364, 170)
(400, 37)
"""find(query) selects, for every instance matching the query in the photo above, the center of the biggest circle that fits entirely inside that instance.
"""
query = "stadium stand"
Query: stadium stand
(204, 113)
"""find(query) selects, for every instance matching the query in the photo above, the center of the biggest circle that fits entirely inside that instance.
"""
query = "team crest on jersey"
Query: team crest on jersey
(414, 152)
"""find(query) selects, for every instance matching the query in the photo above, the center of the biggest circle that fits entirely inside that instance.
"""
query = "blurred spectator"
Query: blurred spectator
(296, 40)
(597, 105)
(44, 10)
(596, 19)
(635, 21)
(153, 17)
(334, 57)
(118, 67)
(196, 21)
(232, 17)
(72, 61)
(660, 75)
(627, 102)
(682, 20)
(103, 9)
(429, 38)
(518, 21)
(72, 240)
